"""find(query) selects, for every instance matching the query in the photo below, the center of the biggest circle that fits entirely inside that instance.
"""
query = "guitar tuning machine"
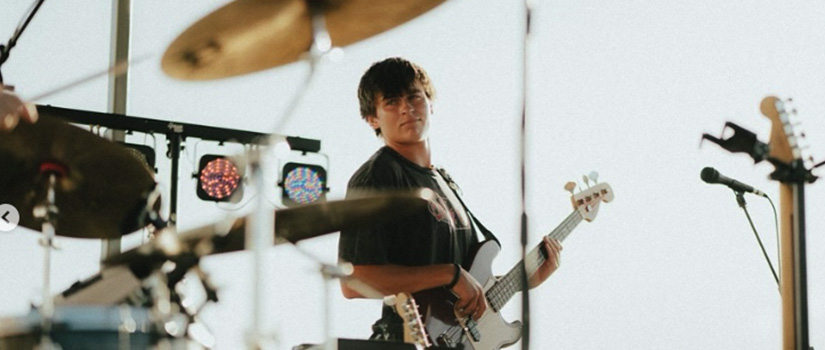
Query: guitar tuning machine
(594, 176)
(586, 180)
(570, 186)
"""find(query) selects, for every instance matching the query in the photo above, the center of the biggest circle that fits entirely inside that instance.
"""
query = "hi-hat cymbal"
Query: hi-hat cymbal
(102, 192)
(291, 225)
(251, 35)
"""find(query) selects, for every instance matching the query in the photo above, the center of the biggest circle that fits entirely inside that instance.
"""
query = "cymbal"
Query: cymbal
(291, 225)
(102, 192)
(247, 36)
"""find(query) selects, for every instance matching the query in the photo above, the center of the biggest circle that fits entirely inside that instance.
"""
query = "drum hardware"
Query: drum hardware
(330, 273)
(6, 49)
(151, 261)
(102, 188)
(47, 212)
(294, 224)
(94, 327)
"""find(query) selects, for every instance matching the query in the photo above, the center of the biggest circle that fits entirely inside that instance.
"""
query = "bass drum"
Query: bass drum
(94, 327)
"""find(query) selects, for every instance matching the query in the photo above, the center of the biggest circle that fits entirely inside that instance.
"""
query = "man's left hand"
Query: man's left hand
(552, 248)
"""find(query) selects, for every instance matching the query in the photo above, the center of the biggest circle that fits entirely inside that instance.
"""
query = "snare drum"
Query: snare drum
(87, 327)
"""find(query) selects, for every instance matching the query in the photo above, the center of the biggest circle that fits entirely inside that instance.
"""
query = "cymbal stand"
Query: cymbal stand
(163, 309)
(260, 233)
(47, 212)
(6, 49)
(329, 272)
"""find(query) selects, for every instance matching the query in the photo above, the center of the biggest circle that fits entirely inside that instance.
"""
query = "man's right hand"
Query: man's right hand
(12, 109)
(471, 300)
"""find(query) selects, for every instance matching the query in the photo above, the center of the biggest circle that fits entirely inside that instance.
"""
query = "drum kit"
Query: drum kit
(66, 181)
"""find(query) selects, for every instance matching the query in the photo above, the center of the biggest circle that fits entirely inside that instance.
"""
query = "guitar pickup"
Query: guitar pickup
(471, 327)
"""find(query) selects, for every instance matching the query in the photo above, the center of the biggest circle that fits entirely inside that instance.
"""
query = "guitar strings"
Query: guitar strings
(497, 295)
(502, 291)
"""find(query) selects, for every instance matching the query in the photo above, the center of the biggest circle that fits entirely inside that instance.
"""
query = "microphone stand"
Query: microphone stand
(5, 49)
(740, 199)
(525, 297)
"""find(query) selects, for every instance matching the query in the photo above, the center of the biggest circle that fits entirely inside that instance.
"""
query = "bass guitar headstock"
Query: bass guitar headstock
(586, 202)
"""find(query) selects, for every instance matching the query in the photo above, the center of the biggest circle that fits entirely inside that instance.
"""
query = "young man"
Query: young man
(429, 250)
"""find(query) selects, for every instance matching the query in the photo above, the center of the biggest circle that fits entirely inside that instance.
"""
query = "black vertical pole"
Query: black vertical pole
(800, 270)
(174, 137)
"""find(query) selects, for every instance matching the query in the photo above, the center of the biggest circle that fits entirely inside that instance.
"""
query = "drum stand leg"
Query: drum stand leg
(47, 211)
(260, 233)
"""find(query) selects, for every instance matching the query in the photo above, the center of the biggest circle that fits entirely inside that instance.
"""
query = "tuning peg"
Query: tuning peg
(570, 187)
(594, 176)
(586, 180)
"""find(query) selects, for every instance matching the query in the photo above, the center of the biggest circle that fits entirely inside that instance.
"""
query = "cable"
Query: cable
(776, 224)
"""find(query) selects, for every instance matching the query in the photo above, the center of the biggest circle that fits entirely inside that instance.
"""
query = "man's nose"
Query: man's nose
(407, 106)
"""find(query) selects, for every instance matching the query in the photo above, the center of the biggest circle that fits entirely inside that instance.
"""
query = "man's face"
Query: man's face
(403, 119)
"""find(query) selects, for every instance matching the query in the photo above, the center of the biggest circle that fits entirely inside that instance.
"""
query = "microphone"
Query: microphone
(712, 176)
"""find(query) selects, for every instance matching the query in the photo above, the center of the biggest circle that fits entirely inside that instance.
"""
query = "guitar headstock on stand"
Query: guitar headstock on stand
(785, 151)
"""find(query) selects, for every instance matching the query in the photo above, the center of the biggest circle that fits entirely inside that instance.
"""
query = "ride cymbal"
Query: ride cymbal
(247, 36)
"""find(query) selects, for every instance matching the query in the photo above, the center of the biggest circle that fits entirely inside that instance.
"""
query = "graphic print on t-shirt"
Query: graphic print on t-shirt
(441, 211)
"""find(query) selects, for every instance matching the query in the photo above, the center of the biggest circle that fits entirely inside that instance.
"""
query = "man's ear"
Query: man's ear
(372, 120)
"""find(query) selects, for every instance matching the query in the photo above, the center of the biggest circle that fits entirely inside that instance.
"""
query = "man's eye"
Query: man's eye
(391, 101)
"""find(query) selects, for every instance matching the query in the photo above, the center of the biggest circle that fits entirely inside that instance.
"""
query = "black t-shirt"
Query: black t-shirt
(436, 235)
(433, 236)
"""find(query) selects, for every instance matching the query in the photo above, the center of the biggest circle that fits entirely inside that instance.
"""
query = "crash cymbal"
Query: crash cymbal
(251, 35)
(291, 225)
(102, 191)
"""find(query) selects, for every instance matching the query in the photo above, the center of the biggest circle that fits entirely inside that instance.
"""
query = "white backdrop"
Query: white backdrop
(623, 88)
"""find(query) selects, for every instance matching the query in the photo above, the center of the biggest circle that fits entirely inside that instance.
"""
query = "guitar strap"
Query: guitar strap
(456, 190)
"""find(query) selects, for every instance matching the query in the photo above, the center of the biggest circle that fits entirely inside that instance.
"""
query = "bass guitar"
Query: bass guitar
(491, 331)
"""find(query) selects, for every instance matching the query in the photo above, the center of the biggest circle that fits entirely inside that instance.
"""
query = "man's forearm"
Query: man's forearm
(392, 279)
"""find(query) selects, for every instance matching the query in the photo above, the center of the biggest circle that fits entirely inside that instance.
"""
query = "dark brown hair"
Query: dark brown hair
(391, 77)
